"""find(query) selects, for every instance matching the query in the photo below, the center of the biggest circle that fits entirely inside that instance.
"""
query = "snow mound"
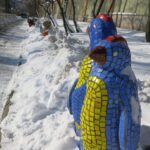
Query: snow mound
(38, 117)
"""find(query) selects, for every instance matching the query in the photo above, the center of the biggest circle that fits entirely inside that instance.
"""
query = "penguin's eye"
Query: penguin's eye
(115, 54)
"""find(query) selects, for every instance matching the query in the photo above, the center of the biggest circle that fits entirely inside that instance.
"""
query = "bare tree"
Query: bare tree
(85, 9)
(123, 12)
(119, 9)
(74, 18)
(133, 17)
(7, 6)
(48, 7)
(100, 7)
(63, 10)
(63, 18)
(94, 8)
(96, 11)
(148, 25)
(65, 6)
(31, 4)
(52, 5)
(111, 9)
(69, 10)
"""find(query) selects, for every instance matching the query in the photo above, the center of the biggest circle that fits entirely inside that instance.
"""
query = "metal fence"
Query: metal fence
(131, 14)
(130, 21)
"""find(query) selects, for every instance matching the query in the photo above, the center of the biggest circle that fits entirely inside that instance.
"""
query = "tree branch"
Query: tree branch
(74, 17)
(93, 10)
(63, 17)
(111, 6)
(100, 7)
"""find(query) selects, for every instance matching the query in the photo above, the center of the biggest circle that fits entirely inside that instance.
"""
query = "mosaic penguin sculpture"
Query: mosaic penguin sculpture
(110, 116)
(105, 28)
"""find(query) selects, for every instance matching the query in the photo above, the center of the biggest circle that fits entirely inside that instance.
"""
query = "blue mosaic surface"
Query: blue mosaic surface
(69, 102)
(77, 102)
(99, 30)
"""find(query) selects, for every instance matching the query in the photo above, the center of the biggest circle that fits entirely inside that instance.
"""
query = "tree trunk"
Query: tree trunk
(74, 17)
(123, 12)
(148, 26)
(135, 11)
(63, 17)
(35, 8)
(111, 9)
(85, 8)
(100, 7)
(119, 9)
(48, 12)
(94, 8)
(7, 6)
(65, 6)
(52, 3)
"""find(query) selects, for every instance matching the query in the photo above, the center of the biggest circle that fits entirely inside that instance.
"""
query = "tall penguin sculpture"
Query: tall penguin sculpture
(110, 116)
(105, 28)
(105, 105)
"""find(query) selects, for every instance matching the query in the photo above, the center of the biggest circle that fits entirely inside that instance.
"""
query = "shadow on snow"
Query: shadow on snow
(11, 61)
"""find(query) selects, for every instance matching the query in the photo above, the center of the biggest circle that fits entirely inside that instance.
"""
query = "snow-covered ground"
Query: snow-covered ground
(6, 19)
(10, 49)
(38, 118)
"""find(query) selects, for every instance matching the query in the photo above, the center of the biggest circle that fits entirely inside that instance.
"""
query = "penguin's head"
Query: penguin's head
(100, 28)
(112, 54)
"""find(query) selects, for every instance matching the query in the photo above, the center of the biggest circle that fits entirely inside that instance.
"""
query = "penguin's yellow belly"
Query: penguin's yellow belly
(84, 71)
(93, 115)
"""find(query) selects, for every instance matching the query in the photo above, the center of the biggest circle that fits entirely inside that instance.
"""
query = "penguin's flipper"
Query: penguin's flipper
(69, 102)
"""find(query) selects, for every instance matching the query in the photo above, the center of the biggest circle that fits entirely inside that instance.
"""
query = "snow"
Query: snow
(10, 49)
(129, 72)
(38, 118)
(6, 19)
(135, 110)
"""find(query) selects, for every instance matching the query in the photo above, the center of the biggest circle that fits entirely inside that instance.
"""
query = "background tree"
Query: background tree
(119, 3)
(85, 8)
(74, 17)
(64, 8)
(94, 8)
(124, 7)
(135, 11)
(32, 7)
(148, 25)
(48, 6)
(67, 27)
(7, 6)
(63, 5)
(111, 8)
(99, 7)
